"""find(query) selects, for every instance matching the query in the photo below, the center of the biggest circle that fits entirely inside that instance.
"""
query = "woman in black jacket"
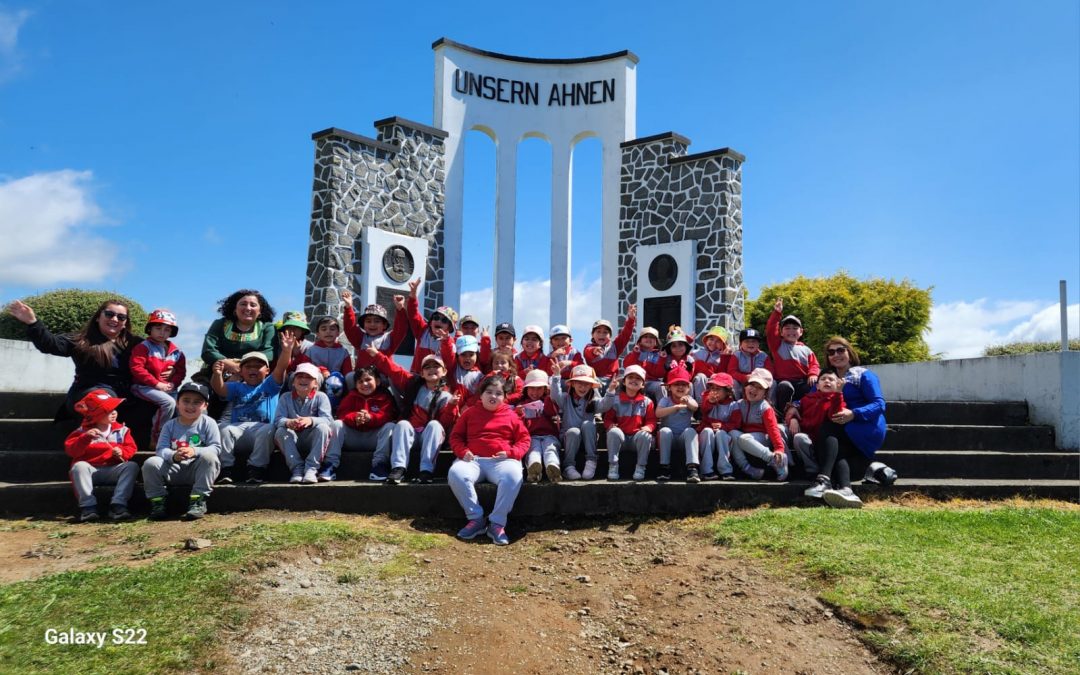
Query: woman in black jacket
(100, 351)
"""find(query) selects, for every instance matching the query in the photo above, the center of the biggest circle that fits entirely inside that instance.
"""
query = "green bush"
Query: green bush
(884, 319)
(1029, 348)
(67, 310)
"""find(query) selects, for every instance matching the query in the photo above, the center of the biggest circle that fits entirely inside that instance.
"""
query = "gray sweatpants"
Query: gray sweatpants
(313, 441)
(687, 441)
(404, 437)
(543, 448)
(166, 407)
(85, 476)
(715, 442)
(754, 443)
(504, 473)
(641, 442)
(377, 441)
(199, 472)
(258, 437)
(575, 437)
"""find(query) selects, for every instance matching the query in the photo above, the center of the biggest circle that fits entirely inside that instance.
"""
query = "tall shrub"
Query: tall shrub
(67, 310)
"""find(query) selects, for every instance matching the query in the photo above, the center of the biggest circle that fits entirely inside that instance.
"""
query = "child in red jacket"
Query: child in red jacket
(602, 353)
(464, 376)
(541, 418)
(365, 422)
(630, 419)
(712, 357)
(373, 328)
(755, 431)
(747, 358)
(101, 451)
(646, 353)
(430, 334)
(531, 357)
(469, 325)
(717, 409)
(805, 417)
(489, 441)
(158, 368)
(795, 366)
(563, 352)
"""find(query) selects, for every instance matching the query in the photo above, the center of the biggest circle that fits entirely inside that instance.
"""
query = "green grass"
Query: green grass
(994, 590)
(182, 602)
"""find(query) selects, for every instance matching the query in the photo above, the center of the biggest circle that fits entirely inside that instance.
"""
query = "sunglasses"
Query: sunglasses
(835, 350)
(109, 314)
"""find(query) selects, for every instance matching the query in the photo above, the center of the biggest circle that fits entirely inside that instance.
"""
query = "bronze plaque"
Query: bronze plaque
(398, 263)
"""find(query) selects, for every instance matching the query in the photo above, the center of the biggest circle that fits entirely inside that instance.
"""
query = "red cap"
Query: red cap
(677, 375)
(722, 380)
(97, 404)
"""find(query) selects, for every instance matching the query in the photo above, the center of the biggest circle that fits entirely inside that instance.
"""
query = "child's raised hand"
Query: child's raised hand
(778, 306)
(486, 332)
(288, 342)
(346, 297)
(399, 302)
(413, 285)
(631, 311)
(614, 384)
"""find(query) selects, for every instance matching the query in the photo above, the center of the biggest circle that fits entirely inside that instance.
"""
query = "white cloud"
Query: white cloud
(10, 23)
(531, 304)
(192, 330)
(44, 220)
(964, 329)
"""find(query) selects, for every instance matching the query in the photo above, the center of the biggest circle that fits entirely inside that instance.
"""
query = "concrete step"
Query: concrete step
(969, 437)
(23, 405)
(995, 413)
(982, 464)
(544, 500)
(34, 434)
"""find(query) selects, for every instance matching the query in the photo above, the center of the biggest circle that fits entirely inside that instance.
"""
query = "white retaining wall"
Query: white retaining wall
(1048, 381)
(24, 368)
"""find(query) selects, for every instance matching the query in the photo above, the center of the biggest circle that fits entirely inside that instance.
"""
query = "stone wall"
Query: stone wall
(667, 196)
(393, 183)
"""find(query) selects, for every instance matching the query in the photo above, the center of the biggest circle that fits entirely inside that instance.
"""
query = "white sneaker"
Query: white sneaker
(613, 472)
(842, 499)
(311, 476)
(639, 472)
(535, 469)
(571, 473)
(780, 461)
(297, 477)
(590, 470)
(817, 490)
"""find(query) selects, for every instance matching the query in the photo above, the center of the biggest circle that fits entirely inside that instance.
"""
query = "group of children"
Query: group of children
(710, 404)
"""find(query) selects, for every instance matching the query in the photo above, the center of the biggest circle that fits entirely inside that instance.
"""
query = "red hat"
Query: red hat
(678, 374)
(722, 380)
(97, 404)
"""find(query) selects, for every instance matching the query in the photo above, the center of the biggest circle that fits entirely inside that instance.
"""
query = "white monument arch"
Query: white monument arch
(511, 98)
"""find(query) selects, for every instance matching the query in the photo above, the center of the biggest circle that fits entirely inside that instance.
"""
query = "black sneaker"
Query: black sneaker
(709, 476)
(692, 475)
(664, 473)
(197, 508)
(256, 474)
(89, 514)
(397, 475)
(425, 477)
(157, 508)
(224, 477)
(119, 512)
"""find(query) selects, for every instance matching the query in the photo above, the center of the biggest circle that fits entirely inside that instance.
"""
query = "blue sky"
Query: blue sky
(165, 151)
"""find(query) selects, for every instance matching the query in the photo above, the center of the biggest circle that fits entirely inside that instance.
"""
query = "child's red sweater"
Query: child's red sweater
(99, 451)
(741, 364)
(402, 379)
(605, 360)
(525, 363)
(150, 362)
(426, 343)
(575, 359)
(816, 407)
(539, 416)
(359, 339)
(380, 405)
(654, 363)
(758, 417)
(790, 361)
(708, 363)
(485, 432)
(711, 413)
(644, 415)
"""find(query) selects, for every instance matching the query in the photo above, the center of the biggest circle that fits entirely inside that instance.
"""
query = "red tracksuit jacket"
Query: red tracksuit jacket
(654, 362)
(757, 417)
(99, 452)
(790, 362)
(605, 360)
(402, 379)
(816, 407)
(380, 405)
(538, 416)
(631, 414)
(152, 363)
(387, 343)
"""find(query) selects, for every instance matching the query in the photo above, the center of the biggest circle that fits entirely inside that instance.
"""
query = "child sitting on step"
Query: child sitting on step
(158, 368)
(646, 353)
(712, 357)
(502, 364)
(303, 424)
(430, 334)
(755, 431)
(717, 406)
(675, 411)
(541, 418)
(602, 353)
(563, 352)
(470, 325)
(373, 328)
(795, 366)
(630, 419)
(365, 422)
(531, 356)
(747, 358)
(578, 404)
(465, 376)
(805, 417)
(101, 450)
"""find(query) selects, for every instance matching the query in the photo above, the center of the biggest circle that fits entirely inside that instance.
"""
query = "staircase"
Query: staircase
(973, 450)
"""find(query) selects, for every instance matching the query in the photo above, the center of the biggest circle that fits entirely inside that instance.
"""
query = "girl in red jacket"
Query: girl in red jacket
(502, 364)
(158, 368)
(646, 353)
(365, 421)
(101, 451)
(489, 441)
(630, 419)
(430, 334)
(541, 418)
(755, 431)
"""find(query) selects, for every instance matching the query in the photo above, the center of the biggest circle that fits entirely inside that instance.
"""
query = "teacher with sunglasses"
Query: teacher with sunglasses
(100, 351)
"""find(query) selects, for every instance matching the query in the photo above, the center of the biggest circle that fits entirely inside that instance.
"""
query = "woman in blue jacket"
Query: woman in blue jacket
(852, 436)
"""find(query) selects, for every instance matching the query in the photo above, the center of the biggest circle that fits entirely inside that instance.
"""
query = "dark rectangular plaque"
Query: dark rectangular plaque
(663, 312)
(385, 297)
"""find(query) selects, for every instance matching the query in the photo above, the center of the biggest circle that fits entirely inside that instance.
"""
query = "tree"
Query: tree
(67, 310)
(884, 319)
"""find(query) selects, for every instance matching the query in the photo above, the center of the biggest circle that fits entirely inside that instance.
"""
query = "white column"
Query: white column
(562, 179)
(611, 158)
(505, 212)
(452, 219)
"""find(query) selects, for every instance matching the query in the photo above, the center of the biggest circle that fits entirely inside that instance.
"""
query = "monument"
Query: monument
(386, 208)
